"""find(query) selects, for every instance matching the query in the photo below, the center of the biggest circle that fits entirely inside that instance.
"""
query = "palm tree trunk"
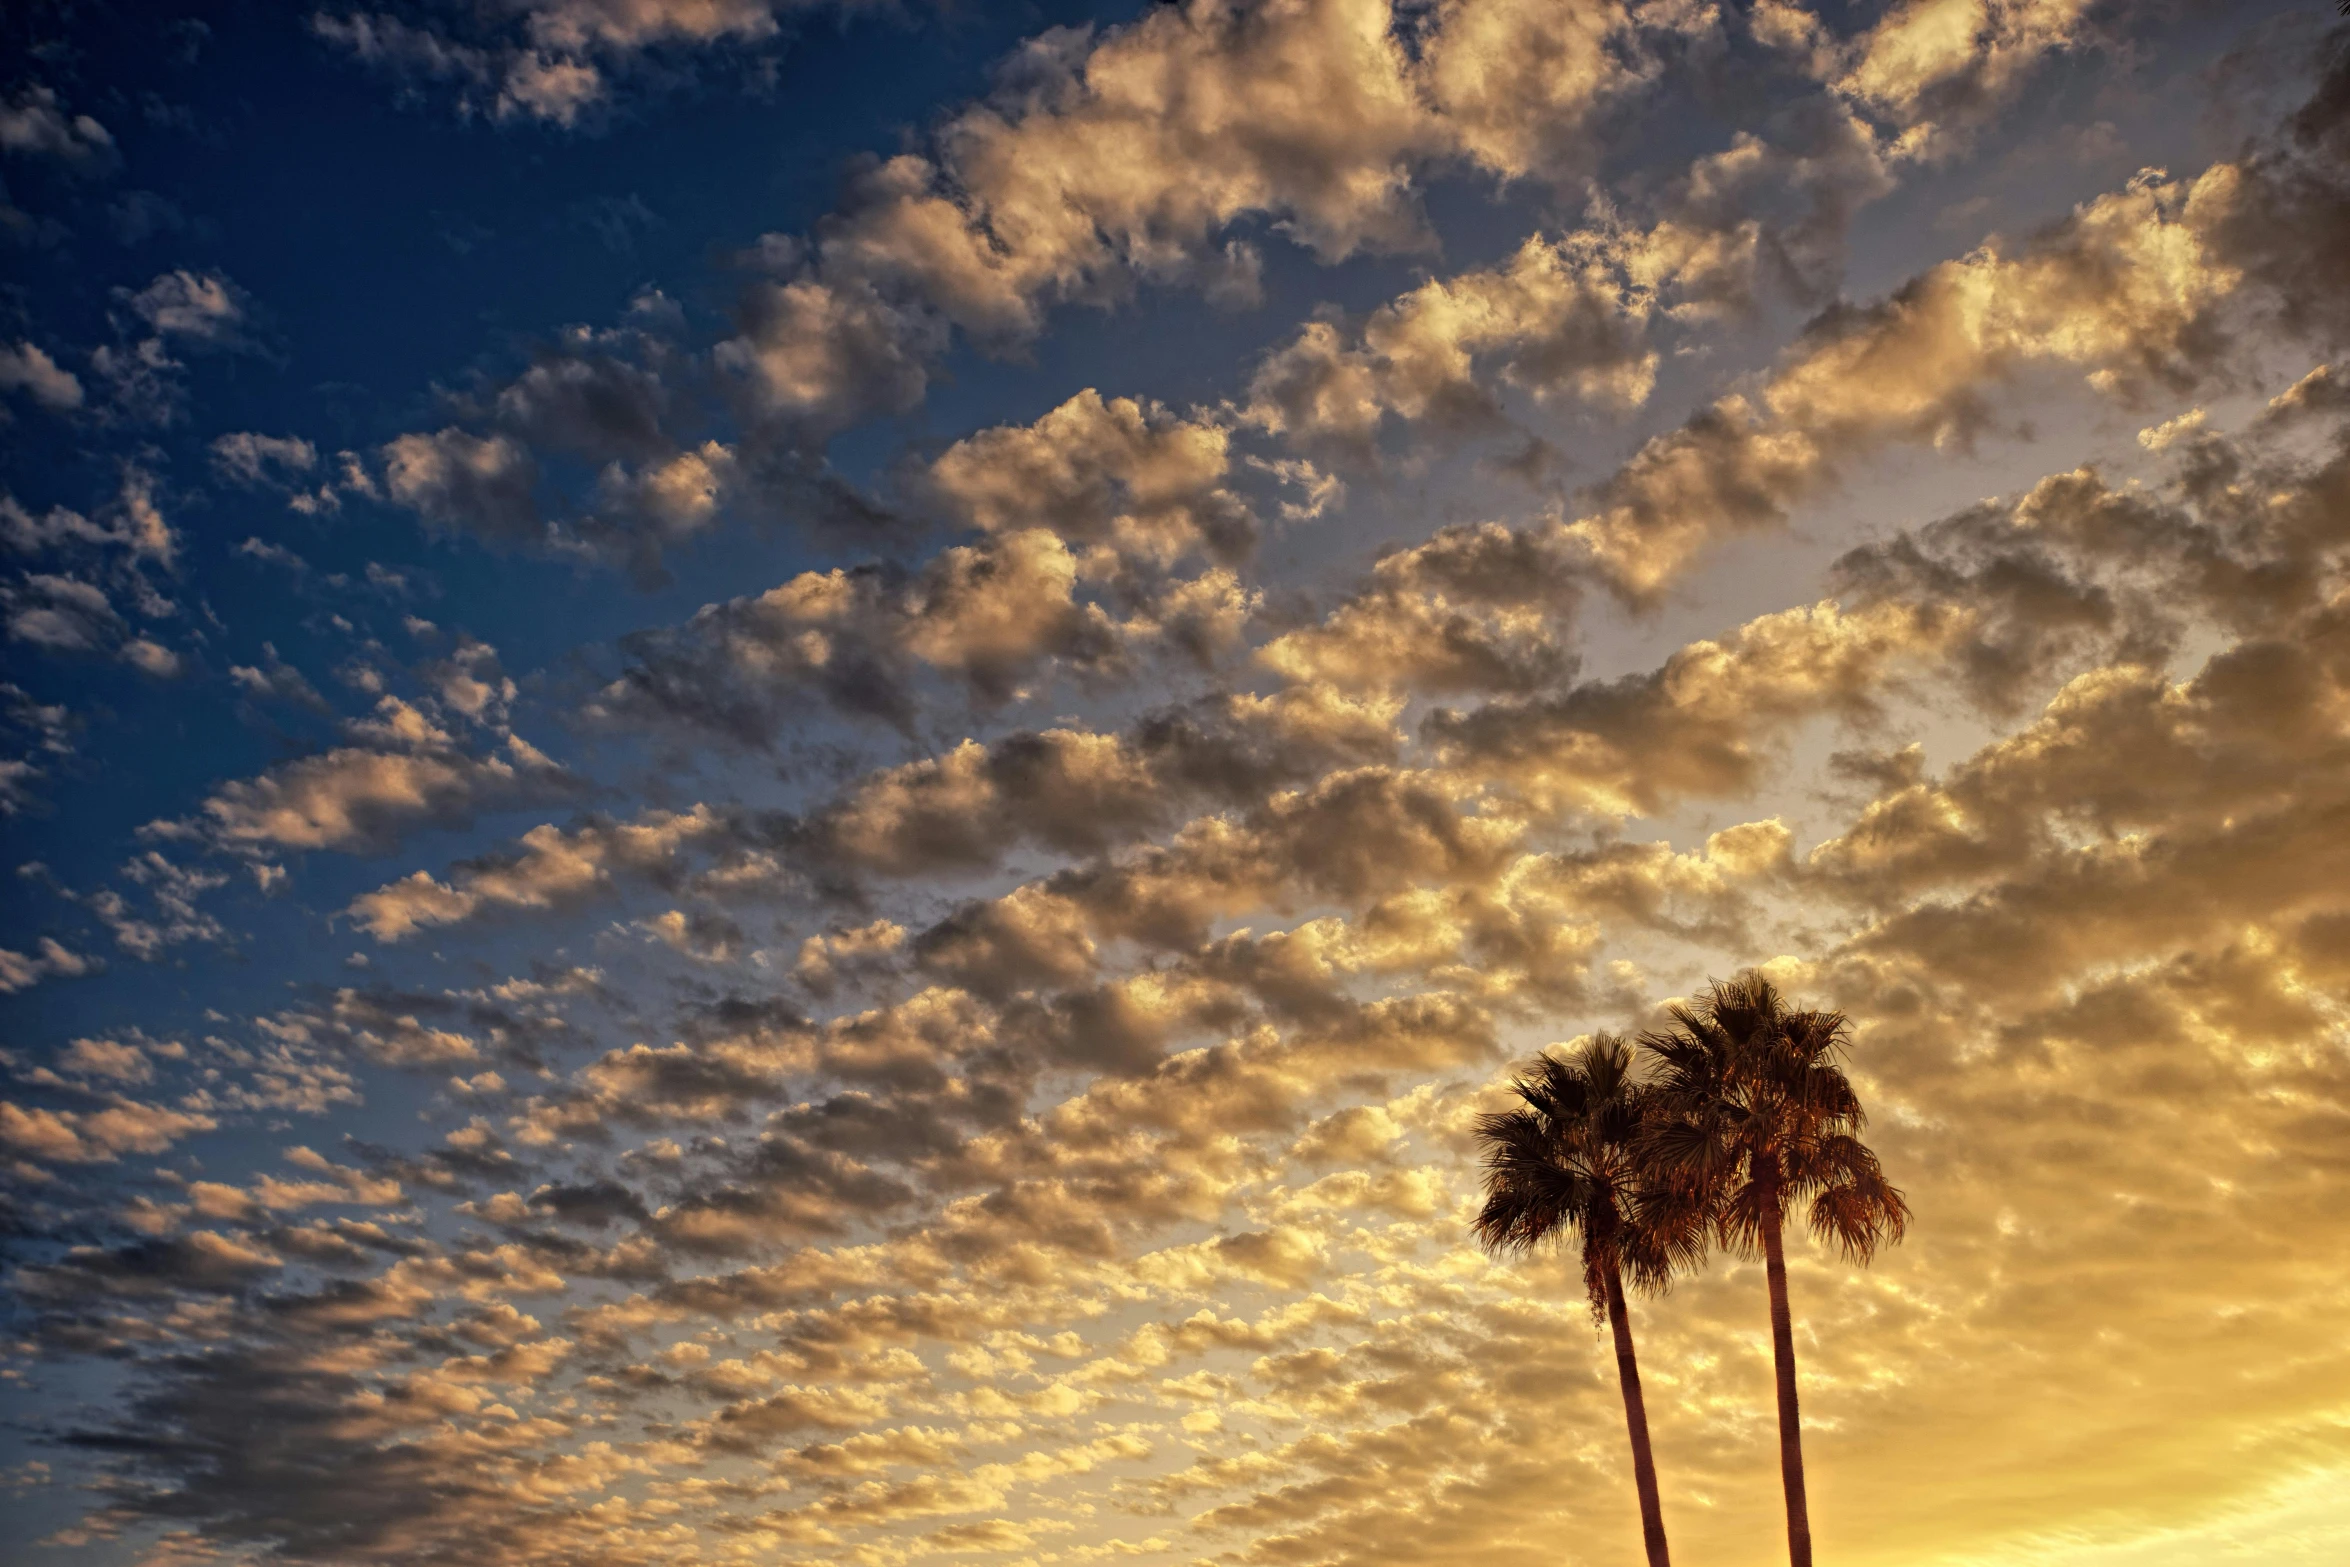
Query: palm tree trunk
(1652, 1513)
(1790, 1417)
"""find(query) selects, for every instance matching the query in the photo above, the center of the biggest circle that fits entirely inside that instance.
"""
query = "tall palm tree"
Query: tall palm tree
(1753, 1116)
(1564, 1163)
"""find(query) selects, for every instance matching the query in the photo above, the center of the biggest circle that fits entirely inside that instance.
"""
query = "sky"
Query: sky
(779, 775)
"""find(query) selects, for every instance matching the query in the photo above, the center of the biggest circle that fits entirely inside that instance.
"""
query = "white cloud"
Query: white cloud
(26, 368)
(48, 960)
(36, 125)
(203, 309)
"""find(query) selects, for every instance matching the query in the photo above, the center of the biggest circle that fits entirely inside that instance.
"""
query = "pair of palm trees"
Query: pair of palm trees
(1715, 1129)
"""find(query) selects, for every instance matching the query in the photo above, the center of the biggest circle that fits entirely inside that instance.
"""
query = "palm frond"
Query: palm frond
(1565, 1164)
(1856, 1207)
(1747, 1212)
(1671, 1232)
(1553, 1086)
(1531, 1194)
(1860, 1215)
(1756, 1117)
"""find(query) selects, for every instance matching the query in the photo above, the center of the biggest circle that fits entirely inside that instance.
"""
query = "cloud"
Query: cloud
(96, 1136)
(987, 616)
(1555, 320)
(201, 309)
(552, 868)
(635, 24)
(664, 502)
(108, 1058)
(386, 1028)
(1129, 480)
(66, 614)
(602, 398)
(26, 368)
(549, 60)
(2291, 211)
(134, 524)
(1055, 1135)
(483, 485)
(1471, 608)
(549, 88)
(1699, 724)
(62, 613)
(1059, 186)
(2124, 289)
(179, 309)
(251, 458)
(361, 799)
(36, 125)
(1068, 790)
(1572, 317)
(276, 680)
(48, 960)
(1015, 208)
(172, 890)
(2079, 564)
(782, 1186)
(1928, 59)
(829, 355)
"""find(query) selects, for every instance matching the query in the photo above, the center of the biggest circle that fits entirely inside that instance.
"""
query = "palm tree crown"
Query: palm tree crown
(1565, 1163)
(1753, 1108)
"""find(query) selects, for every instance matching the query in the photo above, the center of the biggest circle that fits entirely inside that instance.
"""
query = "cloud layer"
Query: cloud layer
(966, 1046)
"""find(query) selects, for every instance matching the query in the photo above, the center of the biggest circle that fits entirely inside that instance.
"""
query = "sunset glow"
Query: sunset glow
(811, 782)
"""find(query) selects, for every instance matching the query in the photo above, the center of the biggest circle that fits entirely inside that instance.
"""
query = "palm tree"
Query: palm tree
(1754, 1115)
(1565, 1162)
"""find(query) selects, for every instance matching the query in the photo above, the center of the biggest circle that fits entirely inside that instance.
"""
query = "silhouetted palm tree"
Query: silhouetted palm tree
(1753, 1114)
(1565, 1163)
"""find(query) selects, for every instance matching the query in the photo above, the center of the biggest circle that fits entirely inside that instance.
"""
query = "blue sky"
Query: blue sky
(998, 659)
